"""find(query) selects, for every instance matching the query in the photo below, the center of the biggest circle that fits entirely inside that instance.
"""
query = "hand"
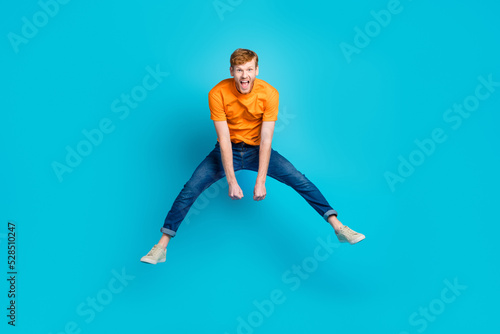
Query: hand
(235, 191)
(259, 192)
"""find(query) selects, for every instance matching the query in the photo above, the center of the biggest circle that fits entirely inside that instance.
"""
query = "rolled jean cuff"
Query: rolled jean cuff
(168, 231)
(329, 213)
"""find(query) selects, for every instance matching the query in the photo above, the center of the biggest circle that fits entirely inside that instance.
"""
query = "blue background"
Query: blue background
(346, 124)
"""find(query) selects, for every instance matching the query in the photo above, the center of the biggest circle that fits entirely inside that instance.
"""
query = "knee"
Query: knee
(300, 180)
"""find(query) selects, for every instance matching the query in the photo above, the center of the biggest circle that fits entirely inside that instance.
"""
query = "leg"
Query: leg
(336, 224)
(208, 172)
(165, 238)
(282, 170)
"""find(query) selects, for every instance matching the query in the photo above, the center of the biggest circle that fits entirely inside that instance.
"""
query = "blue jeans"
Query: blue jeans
(245, 156)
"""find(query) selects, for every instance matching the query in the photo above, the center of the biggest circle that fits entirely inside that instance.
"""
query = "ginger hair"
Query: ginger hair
(242, 56)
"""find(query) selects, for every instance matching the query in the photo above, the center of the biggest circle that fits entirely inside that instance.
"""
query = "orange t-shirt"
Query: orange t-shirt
(244, 113)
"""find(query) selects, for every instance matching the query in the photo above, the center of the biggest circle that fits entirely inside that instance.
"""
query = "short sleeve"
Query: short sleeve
(271, 109)
(216, 106)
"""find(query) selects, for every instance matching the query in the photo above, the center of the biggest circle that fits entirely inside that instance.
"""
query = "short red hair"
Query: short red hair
(242, 56)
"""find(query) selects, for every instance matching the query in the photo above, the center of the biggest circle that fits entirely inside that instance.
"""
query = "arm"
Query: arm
(226, 149)
(266, 137)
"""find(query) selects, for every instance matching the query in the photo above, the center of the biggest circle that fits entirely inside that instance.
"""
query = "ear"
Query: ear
(257, 70)
(231, 70)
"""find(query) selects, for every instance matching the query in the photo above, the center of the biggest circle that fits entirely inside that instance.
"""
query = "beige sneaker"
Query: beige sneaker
(345, 234)
(156, 255)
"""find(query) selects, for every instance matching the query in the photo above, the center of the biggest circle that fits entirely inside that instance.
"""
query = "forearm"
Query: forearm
(227, 159)
(264, 156)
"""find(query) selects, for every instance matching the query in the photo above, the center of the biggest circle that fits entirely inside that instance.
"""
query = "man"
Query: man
(244, 110)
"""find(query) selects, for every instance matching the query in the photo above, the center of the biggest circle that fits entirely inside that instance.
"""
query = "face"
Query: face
(244, 76)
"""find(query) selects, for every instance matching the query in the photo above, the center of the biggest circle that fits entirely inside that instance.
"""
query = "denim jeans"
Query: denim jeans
(245, 156)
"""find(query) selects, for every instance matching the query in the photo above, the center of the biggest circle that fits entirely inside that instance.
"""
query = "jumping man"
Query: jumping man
(244, 110)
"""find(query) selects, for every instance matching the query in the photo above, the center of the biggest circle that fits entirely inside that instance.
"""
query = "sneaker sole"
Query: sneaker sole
(355, 241)
(152, 261)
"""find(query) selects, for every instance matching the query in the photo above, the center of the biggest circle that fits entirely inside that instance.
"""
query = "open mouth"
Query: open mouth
(245, 84)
